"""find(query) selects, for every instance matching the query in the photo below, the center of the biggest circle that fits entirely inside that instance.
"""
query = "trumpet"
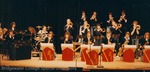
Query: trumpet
(138, 27)
(103, 30)
(119, 25)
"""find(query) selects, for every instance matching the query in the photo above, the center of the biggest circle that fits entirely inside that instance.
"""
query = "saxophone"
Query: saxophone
(120, 53)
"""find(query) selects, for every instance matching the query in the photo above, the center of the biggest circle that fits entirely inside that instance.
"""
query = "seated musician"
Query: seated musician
(109, 39)
(99, 31)
(88, 39)
(9, 40)
(67, 38)
(43, 33)
(127, 39)
(124, 41)
(146, 39)
(50, 38)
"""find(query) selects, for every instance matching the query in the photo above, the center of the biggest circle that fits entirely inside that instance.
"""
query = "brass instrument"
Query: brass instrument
(138, 27)
(103, 30)
(88, 26)
(119, 25)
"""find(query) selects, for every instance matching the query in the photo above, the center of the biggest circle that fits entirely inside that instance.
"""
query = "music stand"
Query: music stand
(100, 54)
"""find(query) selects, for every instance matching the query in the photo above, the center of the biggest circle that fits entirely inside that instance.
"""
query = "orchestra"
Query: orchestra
(116, 33)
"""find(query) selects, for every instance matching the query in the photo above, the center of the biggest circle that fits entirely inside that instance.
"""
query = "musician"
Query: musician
(43, 33)
(127, 39)
(13, 27)
(109, 39)
(9, 40)
(146, 39)
(123, 19)
(93, 19)
(83, 17)
(99, 31)
(69, 27)
(88, 39)
(111, 18)
(50, 38)
(85, 28)
(67, 38)
(135, 33)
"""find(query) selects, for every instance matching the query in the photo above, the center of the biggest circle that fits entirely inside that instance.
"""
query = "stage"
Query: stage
(35, 64)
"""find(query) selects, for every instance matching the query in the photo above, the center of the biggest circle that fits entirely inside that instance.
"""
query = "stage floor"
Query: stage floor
(117, 64)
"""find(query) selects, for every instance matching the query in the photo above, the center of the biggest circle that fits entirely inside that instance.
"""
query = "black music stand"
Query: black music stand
(100, 64)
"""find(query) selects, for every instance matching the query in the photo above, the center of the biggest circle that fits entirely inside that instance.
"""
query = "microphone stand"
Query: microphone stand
(100, 63)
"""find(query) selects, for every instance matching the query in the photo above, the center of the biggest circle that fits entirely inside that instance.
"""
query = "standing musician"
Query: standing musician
(123, 19)
(9, 41)
(116, 32)
(93, 19)
(67, 38)
(13, 27)
(84, 29)
(83, 17)
(99, 31)
(88, 39)
(146, 39)
(135, 33)
(111, 19)
(69, 26)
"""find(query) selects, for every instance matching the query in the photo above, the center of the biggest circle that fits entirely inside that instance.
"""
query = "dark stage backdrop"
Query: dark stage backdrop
(55, 12)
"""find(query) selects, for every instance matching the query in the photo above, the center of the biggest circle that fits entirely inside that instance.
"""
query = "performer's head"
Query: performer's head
(68, 21)
(88, 34)
(98, 26)
(135, 23)
(50, 34)
(85, 23)
(11, 33)
(123, 12)
(94, 13)
(147, 35)
(67, 35)
(13, 24)
(83, 12)
(127, 35)
(44, 27)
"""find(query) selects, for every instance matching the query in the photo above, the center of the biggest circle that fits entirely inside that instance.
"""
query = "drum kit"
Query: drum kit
(40, 37)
